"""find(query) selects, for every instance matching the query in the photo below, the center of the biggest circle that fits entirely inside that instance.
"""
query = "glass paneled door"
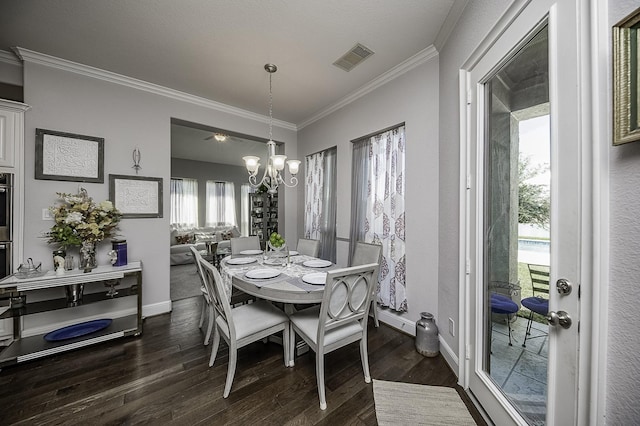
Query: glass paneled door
(523, 216)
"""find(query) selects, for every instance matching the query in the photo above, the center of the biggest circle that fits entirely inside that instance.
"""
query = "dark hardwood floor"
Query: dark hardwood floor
(163, 377)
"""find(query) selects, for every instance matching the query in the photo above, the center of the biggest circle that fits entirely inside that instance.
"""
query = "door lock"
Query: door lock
(564, 287)
(560, 318)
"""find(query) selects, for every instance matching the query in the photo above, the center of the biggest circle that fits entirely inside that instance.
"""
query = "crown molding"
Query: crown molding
(9, 58)
(111, 77)
(450, 23)
(419, 58)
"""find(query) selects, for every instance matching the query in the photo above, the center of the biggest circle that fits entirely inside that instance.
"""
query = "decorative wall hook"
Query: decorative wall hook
(136, 160)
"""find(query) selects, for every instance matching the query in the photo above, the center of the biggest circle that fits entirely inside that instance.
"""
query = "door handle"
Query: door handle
(564, 286)
(560, 318)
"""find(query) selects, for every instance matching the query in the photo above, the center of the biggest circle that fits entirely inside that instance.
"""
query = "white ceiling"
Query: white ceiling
(216, 49)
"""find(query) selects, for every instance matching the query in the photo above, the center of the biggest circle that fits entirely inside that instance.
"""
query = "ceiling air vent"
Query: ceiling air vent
(353, 57)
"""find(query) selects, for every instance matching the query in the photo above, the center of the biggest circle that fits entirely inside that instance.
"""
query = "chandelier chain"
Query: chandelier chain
(270, 110)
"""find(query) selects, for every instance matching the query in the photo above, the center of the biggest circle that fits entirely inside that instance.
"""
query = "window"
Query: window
(184, 202)
(377, 215)
(221, 204)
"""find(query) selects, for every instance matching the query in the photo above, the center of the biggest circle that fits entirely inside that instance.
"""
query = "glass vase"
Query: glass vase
(88, 255)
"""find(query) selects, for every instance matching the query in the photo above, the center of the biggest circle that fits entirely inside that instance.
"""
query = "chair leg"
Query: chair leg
(292, 346)
(214, 346)
(374, 307)
(231, 371)
(210, 325)
(365, 359)
(509, 327)
(202, 312)
(528, 329)
(285, 344)
(320, 378)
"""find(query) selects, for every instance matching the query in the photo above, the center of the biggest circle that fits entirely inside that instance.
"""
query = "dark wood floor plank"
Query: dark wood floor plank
(163, 377)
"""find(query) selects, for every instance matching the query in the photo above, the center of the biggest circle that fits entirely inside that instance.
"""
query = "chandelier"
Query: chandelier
(274, 171)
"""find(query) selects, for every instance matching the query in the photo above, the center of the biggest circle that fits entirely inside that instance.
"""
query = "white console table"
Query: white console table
(25, 348)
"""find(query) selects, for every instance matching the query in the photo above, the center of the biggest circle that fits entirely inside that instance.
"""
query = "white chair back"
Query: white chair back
(308, 247)
(219, 298)
(366, 253)
(347, 297)
(244, 243)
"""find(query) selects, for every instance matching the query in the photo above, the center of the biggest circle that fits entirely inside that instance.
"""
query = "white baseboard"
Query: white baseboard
(400, 323)
(156, 309)
(449, 356)
(396, 321)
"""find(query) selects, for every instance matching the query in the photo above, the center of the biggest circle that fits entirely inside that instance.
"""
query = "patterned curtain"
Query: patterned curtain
(321, 200)
(314, 188)
(384, 212)
(184, 202)
(221, 204)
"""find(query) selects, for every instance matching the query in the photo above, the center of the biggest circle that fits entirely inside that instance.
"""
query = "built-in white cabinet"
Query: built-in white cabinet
(11, 132)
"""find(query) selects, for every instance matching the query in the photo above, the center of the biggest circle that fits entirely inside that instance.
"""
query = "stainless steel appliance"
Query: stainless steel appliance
(6, 224)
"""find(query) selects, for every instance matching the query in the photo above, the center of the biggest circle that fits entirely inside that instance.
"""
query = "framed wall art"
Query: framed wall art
(626, 79)
(69, 157)
(136, 196)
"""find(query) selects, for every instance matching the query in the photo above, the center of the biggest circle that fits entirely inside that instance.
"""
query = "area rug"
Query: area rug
(184, 282)
(409, 404)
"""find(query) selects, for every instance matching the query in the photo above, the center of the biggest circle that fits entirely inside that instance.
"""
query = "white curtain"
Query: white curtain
(221, 204)
(379, 165)
(184, 202)
(320, 201)
(245, 209)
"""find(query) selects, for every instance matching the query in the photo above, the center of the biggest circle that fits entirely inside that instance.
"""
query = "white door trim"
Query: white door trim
(596, 134)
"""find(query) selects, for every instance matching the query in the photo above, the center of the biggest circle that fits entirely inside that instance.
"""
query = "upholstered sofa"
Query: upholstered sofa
(182, 239)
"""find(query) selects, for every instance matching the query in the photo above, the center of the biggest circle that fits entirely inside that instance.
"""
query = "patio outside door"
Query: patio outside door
(530, 73)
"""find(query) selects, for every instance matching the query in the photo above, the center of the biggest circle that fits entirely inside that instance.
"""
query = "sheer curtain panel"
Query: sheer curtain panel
(184, 202)
(221, 204)
(378, 213)
(320, 201)
(245, 208)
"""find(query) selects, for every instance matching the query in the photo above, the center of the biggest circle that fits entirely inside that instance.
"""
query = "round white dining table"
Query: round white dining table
(287, 287)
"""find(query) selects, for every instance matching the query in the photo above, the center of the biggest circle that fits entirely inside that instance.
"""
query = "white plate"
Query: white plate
(293, 253)
(262, 274)
(317, 263)
(251, 251)
(317, 278)
(241, 260)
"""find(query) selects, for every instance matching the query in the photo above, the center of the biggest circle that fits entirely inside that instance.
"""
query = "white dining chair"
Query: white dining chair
(245, 243)
(241, 325)
(363, 254)
(308, 247)
(341, 319)
(207, 308)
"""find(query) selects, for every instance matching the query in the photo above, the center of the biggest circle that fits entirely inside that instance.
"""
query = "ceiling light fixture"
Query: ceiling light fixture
(220, 137)
(273, 173)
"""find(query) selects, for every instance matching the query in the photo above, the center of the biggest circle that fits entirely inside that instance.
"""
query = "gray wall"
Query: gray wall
(476, 21)
(126, 118)
(623, 361)
(204, 171)
(410, 98)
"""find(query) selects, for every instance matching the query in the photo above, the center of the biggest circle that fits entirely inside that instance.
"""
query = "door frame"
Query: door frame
(594, 209)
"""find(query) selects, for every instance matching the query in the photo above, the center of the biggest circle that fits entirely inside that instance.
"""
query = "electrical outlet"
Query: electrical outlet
(452, 327)
(46, 214)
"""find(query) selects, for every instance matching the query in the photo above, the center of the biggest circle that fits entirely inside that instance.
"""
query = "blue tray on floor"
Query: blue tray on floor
(77, 330)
